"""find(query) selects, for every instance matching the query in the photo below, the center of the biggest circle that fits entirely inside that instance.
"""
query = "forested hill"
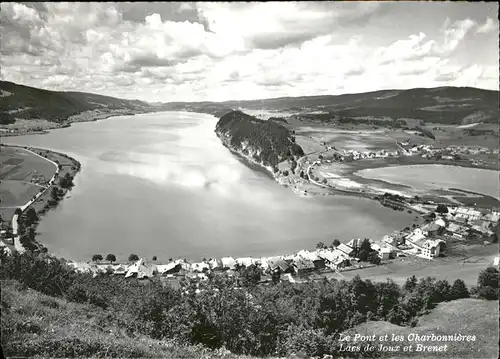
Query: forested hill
(19, 101)
(446, 105)
(266, 142)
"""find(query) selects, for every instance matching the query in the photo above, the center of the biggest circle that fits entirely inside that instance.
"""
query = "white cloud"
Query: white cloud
(221, 51)
(487, 27)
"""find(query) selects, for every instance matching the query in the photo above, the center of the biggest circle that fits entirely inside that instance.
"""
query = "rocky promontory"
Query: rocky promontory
(265, 143)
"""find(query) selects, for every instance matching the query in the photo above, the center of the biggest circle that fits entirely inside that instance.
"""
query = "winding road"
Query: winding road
(15, 226)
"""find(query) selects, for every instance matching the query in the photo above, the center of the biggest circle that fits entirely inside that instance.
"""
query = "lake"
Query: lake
(431, 177)
(162, 184)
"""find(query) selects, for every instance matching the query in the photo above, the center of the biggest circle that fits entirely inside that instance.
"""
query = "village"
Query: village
(443, 226)
(451, 153)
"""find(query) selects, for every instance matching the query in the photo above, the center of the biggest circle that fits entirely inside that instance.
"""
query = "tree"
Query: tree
(336, 243)
(276, 276)
(320, 245)
(133, 258)
(154, 258)
(18, 211)
(488, 278)
(441, 208)
(111, 258)
(250, 275)
(66, 181)
(366, 245)
(54, 193)
(459, 290)
(31, 216)
(96, 258)
(410, 284)
(363, 255)
(374, 258)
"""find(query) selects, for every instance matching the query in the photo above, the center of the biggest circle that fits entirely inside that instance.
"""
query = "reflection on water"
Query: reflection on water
(162, 184)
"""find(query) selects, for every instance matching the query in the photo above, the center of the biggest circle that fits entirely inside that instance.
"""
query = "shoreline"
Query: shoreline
(67, 123)
(42, 200)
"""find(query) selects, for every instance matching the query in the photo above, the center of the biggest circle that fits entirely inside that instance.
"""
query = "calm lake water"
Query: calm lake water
(162, 184)
(438, 177)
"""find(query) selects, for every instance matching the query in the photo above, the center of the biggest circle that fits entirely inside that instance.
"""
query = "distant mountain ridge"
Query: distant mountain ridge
(19, 101)
(446, 105)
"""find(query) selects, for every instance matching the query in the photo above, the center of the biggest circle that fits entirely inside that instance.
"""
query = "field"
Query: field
(18, 168)
(465, 266)
(465, 316)
(361, 140)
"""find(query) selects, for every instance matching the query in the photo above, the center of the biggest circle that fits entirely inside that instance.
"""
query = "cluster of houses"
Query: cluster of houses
(301, 263)
(447, 153)
(430, 240)
(359, 155)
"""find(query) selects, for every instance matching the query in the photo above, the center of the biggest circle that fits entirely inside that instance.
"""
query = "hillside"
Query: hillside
(49, 310)
(38, 325)
(445, 105)
(265, 142)
(463, 316)
(24, 102)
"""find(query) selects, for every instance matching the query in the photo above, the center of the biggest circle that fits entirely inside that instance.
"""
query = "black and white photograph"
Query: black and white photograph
(287, 179)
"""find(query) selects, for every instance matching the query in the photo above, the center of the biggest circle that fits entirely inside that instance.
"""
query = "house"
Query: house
(496, 261)
(355, 243)
(434, 248)
(416, 235)
(276, 263)
(200, 267)
(345, 249)
(140, 270)
(170, 268)
(440, 222)
(460, 220)
(302, 266)
(228, 263)
(340, 262)
(313, 257)
(430, 248)
(119, 269)
(492, 217)
(327, 255)
(432, 229)
(386, 252)
(263, 264)
(453, 228)
(245, 262)
(215, 264)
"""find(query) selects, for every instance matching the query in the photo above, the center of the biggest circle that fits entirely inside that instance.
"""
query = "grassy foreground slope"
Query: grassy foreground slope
(464, 316)
(18, 101)
(41, 326)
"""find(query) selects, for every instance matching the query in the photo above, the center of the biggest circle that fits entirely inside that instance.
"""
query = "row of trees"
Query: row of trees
(112, 258)
(275, 320)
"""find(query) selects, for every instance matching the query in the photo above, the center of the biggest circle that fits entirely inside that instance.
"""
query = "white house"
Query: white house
(228, 262)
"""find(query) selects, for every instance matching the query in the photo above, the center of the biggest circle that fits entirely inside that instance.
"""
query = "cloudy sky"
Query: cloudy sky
(222, 51)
